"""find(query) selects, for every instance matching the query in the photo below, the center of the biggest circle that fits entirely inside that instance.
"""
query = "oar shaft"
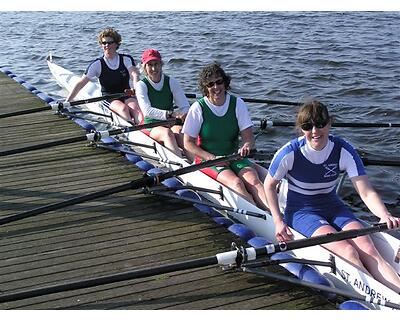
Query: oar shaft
(251, 100)
(22, 112)
(42, 146)
(92, 282)
(76, 200)
(270, 123)
(57, 106)
(148, 181)
(385, 163)
(146, 126)
(225, 258)
(94, 136)
(210, 204)
(318, 240)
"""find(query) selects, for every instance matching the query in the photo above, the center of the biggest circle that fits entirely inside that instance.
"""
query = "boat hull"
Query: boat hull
(346, 276)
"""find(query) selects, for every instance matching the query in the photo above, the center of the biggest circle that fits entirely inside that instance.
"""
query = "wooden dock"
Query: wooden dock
(113, 234)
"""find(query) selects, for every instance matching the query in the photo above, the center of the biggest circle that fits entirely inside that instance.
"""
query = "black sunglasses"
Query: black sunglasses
(213, 83)
(107, 42)
(307, 126)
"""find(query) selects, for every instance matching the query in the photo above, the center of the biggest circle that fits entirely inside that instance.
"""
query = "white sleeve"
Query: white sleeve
(94, 70)
(179, 96)
(193, 121)
(145, 105)
(281, 163)
(242, 114)
(127, 62)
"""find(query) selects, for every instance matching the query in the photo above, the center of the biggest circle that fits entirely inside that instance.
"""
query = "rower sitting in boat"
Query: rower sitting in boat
(311, 164)
(114, 71)
(212, 128)
(156, 94)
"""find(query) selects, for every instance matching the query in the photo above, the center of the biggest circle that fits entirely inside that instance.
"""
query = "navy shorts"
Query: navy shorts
(308, 220)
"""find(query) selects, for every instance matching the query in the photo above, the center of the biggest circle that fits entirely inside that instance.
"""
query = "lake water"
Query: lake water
(349, 60)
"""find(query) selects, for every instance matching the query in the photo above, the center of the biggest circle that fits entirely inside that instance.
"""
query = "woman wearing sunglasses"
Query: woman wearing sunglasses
(311, 164)
(212, 128)
(116, 73)
(157, 93)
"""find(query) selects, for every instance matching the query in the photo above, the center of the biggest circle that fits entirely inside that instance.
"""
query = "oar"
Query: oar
(265, 123)
(225, 258)
(58, 106)
(207, 203)
(367, 161)
(267, 101)
(93, 136)
(384, 163)
(147, 181)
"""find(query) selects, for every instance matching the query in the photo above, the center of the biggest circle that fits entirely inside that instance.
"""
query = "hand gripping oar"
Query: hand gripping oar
(265, 123)
(58, 106)
(136, 184)
(267, 101)
(93, 136)
(235, 257)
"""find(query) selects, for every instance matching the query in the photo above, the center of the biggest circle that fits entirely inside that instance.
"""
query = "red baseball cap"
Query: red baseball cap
(149, 55)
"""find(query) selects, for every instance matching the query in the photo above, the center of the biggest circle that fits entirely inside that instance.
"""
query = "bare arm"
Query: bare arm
(282, 231)
(373, 201)
(79, 85)
(135, 75)
(192, 147)
(248, 141)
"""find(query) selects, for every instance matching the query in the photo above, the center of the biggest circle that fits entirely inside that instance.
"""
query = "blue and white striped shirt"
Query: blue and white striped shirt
(313, 175)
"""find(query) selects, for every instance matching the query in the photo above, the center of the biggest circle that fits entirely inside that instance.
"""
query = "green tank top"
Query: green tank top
(162, 100)
(219, 135)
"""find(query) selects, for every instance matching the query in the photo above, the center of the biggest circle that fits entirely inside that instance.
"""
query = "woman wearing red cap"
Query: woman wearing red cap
(115, 72)
(156, 94)
(212, 128)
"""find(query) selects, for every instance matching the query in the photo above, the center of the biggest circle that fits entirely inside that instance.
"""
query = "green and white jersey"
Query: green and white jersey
(217, 127)
(147, 92)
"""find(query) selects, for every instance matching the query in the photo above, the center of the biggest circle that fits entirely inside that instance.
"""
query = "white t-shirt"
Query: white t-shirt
(94, 69)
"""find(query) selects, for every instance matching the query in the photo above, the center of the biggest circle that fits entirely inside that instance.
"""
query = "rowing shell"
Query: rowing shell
(345, 277)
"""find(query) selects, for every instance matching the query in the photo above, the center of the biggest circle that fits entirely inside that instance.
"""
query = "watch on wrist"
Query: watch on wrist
(169, 114)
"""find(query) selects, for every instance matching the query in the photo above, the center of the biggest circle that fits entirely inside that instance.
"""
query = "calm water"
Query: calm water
(349, 60)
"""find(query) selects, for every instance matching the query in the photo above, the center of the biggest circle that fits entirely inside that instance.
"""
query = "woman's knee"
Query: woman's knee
(348, 251)
(250, 177)
(237, 183)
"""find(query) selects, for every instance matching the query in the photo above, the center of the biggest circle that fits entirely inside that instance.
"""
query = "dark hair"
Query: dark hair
(312, 111)
(112, 33)
(210, 70)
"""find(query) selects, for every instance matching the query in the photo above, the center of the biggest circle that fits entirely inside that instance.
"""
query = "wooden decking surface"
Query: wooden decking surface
(113, 234)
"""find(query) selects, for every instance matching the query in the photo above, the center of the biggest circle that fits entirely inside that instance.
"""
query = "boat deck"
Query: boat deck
(109, 235)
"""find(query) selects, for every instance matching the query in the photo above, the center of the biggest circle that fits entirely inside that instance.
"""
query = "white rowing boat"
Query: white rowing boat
(345, 276)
